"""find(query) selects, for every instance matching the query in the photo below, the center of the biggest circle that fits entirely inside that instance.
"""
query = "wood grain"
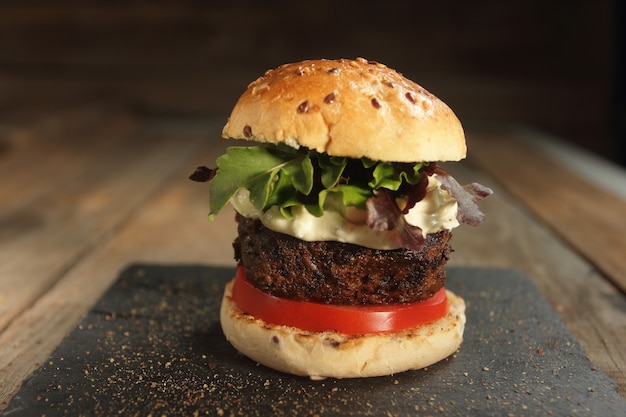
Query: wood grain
(72, 207)
(46, 223)
(587, 217)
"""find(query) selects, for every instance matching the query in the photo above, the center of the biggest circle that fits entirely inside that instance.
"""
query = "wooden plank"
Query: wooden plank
(588, 218)
(65, 224)
(47, 147)
(47, 153)
(513, 237)
(599, 171)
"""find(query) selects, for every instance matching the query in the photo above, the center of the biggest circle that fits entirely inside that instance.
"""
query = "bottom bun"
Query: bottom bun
(336, 355)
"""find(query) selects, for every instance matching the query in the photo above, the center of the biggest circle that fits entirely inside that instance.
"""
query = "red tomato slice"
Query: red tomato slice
(318, 317)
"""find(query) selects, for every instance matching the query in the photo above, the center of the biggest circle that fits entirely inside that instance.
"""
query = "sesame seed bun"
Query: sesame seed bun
(336, 355)
(350, 108)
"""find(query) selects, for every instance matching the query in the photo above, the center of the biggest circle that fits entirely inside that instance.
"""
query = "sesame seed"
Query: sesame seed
(303, 107)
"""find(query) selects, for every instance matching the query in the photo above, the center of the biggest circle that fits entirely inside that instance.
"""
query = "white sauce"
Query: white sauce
(436, 212)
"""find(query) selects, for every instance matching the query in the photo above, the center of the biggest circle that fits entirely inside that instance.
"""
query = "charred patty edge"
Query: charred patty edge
(339, 273)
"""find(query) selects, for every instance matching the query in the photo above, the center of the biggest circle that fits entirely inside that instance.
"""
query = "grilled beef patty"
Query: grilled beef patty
(339, 273)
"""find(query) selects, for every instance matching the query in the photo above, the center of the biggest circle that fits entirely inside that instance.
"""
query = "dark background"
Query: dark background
(553, 65)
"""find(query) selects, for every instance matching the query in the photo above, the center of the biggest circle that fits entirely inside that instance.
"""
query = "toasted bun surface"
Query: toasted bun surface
(349, 108)
(336, 355)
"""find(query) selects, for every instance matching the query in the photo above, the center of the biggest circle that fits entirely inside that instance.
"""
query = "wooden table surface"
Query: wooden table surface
(88, 189)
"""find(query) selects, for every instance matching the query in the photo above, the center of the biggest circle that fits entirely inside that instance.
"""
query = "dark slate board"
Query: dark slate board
(153, 346)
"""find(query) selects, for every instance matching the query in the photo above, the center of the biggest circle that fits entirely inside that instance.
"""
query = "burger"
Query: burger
(344, 219)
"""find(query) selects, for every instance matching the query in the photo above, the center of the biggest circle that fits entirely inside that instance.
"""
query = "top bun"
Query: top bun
(349, 108)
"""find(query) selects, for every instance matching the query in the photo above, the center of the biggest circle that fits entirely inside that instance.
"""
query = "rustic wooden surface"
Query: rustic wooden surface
(88, 190)
(106, 109)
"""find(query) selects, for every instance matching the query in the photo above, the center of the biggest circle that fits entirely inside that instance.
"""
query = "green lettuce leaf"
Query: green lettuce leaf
(391, 175)
(267, 172)
(278, 175)
(332, 167)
